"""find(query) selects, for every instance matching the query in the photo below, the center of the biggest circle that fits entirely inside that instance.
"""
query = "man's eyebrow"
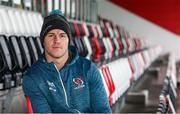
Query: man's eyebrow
(63, 33)
(50, 33)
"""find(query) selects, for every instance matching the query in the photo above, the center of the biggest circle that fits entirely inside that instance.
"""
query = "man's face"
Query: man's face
(56, 43)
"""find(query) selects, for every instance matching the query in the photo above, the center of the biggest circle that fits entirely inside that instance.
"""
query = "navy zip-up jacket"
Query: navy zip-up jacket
(76, 88)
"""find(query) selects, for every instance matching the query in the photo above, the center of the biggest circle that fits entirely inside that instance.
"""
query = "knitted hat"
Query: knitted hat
(55, 20)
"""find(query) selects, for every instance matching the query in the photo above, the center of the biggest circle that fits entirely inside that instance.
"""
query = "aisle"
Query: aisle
(151, 82)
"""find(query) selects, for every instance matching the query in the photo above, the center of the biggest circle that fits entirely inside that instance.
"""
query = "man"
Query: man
(61, 81)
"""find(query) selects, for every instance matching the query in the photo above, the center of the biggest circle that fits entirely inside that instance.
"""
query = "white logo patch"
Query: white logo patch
(51, 85)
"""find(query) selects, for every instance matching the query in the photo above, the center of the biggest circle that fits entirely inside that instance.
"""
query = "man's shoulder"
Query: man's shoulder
(86, 63)
(33, 68)
(33, 71)
(32, 75)
(85, 60)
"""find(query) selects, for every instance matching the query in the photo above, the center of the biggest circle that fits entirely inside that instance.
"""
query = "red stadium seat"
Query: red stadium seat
(109, 81)
(30, 110)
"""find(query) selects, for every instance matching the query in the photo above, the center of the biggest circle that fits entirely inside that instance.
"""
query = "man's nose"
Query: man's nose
(56, 38)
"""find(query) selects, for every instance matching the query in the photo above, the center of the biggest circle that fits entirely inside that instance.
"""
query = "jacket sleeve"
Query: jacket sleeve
(98, 97)
(38, 101)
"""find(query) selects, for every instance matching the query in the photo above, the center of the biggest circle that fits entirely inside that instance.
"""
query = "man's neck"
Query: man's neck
(59, 62)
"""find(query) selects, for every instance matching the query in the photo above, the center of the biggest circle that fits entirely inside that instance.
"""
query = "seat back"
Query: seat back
(3, 68)
(32, 48)
(38, 45)
(29, 106)
(23, 45)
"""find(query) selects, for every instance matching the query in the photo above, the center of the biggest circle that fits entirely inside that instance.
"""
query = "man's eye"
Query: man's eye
(62, 35)
(50, 35)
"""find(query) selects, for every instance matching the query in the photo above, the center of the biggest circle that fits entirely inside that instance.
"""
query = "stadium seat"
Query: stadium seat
(29, 106)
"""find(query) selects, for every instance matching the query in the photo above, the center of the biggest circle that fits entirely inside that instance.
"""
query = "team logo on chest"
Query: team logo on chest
(78, 83)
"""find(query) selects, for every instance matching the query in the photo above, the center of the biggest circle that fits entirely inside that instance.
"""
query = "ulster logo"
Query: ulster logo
(78, 83)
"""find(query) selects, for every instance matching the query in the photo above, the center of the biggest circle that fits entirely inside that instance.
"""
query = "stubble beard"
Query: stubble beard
(54, 56)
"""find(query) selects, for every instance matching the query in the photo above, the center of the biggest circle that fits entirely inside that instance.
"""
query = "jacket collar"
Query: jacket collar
(50, 66)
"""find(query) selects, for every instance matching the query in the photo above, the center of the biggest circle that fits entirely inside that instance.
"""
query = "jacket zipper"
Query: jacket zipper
(65, 94)
(62, 86)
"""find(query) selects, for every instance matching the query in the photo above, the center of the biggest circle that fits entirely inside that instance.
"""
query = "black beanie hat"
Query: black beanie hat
(55, 20)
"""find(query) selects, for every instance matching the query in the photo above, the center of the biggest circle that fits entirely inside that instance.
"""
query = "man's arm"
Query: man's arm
(98, 96)
(38, 101)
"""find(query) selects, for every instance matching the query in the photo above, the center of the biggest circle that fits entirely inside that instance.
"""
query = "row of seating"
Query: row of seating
(17, 54)
(107, 43)
(20, 45)
(120, 74)
(167, 97)
(19, 22)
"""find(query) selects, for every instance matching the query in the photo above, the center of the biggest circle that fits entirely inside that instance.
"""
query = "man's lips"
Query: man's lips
(56, 47)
